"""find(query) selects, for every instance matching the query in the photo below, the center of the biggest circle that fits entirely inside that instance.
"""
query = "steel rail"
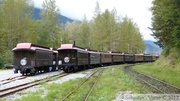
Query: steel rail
(10, 78)
(69, 94)
(155, 83)
(90, 91)
(14, 89)
(14, 79)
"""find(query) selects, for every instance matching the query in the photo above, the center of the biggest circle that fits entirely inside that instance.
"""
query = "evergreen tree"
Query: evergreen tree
(130, 37)
(16, 16)
(15, 25)
(105, 32)
(165, 23)
(83, 38)
(2, 39)
(71, 31)
(50, 27)
(109, 33)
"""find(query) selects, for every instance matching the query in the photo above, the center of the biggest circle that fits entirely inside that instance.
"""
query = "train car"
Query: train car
(72, 58)
(129, 58)
(139, 58)
(30, 58)
(148, 58)
(106, 58)
(117, 58)
(154, 57)
(94, 58)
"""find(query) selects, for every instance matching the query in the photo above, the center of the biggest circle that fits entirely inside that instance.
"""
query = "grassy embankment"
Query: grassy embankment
(112, 81)
(165, 68)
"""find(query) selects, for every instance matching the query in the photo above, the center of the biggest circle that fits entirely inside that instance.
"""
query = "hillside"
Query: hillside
(62, 19)
(151, 47)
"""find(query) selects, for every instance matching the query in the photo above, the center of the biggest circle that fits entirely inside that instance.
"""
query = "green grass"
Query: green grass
(112, 81)
(81, 93)
(171, 60)
(170, 75)
(52, 91)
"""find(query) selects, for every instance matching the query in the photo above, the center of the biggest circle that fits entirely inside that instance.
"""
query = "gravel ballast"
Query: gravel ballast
(8, 74)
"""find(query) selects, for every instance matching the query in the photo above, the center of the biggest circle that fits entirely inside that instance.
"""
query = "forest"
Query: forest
(106, 31)
(166, 29)
(165, 23)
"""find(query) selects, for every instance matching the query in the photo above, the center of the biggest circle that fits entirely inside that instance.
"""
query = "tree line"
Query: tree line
(106, 31)
(166, 24)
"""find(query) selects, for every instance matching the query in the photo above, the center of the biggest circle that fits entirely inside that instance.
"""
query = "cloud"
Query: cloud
(138, 10)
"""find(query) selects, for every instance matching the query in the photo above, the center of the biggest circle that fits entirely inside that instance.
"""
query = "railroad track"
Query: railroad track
(8, 80)
(159, 85)
(12, 90)
(91, 89)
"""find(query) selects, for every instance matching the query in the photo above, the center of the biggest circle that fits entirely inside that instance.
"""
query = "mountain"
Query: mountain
(151, 47)
(61, 18)
(151, 43)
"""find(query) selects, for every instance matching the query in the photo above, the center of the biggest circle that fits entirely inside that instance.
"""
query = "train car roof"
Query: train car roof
(66, 46)
(109, 53)
(54, 51)
(139, 54)
(147, 55)
(93, 52)
(117, 53)
(71, 46)
(126, 54)
(30, 46)
(155, 55)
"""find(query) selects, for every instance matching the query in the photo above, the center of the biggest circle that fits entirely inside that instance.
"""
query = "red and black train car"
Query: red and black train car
(30, 58)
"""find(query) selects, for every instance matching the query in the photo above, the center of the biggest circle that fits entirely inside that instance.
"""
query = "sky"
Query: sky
(137, 10)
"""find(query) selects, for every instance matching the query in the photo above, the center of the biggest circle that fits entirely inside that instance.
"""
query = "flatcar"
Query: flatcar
(30, 58)
(71, 58)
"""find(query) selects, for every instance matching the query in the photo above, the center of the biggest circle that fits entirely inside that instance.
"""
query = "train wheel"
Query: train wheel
(66, 70)
(32, 74)
(74, 69)
(84, 67)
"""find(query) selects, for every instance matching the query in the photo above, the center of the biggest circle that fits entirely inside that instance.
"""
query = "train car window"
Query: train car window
(50, 55)
(31, 54)
(73, 54)
(43, 54)
(21, 54)
(54, 56)
(24, 54)
(39, 54)
(65, 53)
(17, 54)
